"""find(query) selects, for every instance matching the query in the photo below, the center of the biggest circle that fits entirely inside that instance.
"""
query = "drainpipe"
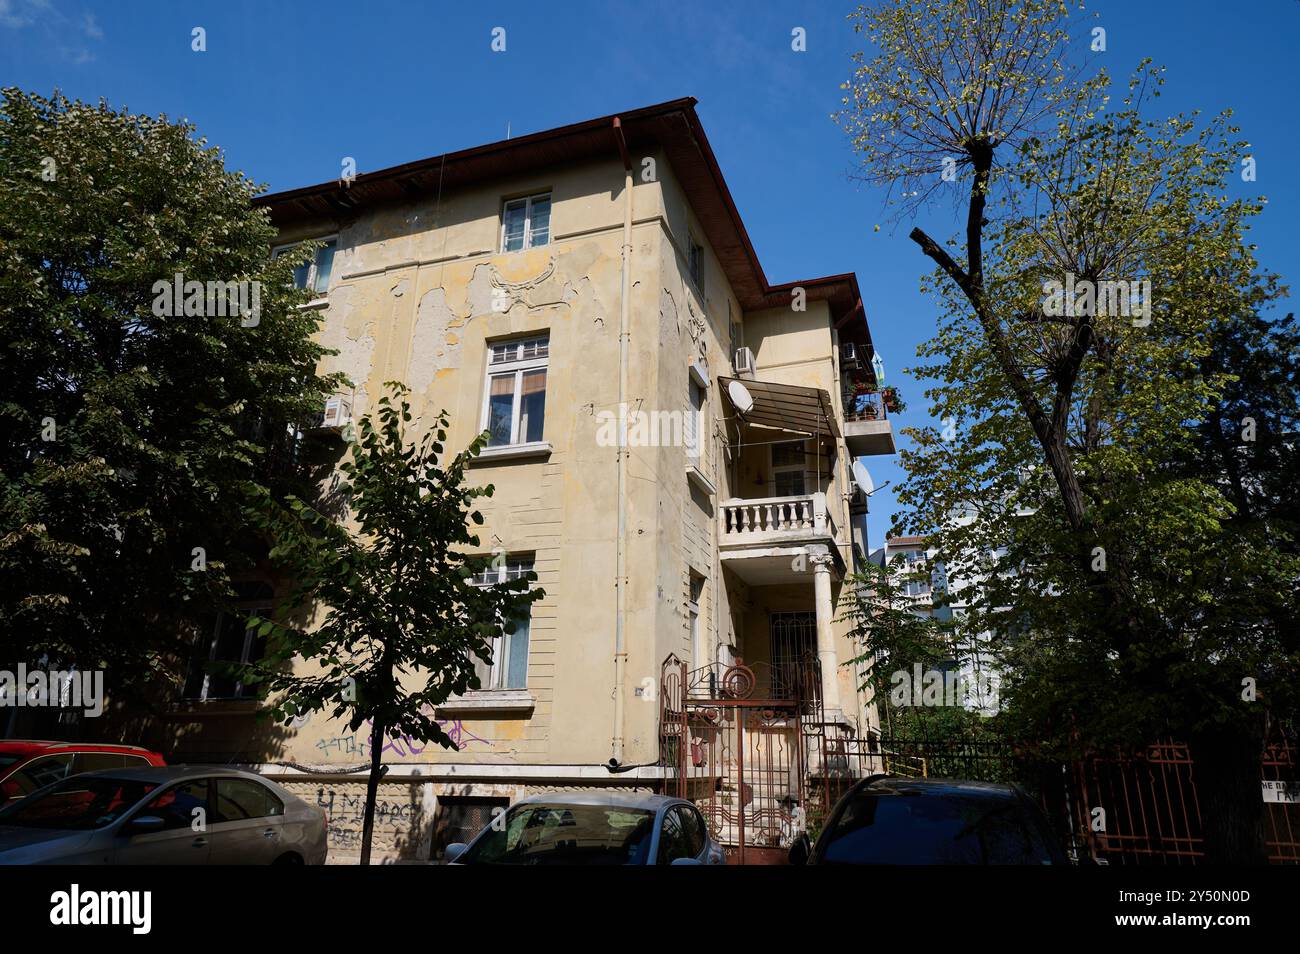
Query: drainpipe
(620, 568)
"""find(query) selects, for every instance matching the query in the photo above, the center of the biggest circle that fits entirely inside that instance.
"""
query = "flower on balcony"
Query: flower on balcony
(892, 400)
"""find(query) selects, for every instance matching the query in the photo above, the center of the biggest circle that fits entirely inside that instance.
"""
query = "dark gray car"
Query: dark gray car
(885, 820)
(597, 828)
(172, 815)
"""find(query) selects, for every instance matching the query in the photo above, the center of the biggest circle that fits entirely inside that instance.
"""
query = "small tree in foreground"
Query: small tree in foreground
(895, 638)
(403, 619)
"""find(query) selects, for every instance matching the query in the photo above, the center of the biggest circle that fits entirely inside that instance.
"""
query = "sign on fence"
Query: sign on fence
(1275, 791)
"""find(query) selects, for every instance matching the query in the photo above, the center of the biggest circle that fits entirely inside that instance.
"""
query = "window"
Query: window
(694, 428)
(698, 651)
(526, 223)
(176, 806)
(695, 833)
(695, 263)
(514, 403)
(314, 274)
(565, 834)
(675, 838)
(788, 469)
(915, 582)
(102, 761)
(36, 774)
(230, 640)
(460, 819)
(509, 666)
(239, 799)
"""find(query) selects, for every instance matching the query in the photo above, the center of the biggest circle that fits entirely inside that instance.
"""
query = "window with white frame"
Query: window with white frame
(917, 582)
(514, 399)
(509, 666)
(526, 222)
(788, 469)
(314, 273)
(229, 640)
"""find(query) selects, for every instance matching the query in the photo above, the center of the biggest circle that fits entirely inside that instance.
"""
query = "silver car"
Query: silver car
(599, 828)
(166, 815)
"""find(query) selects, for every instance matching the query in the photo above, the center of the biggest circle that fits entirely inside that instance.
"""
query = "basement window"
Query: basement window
(526, 222)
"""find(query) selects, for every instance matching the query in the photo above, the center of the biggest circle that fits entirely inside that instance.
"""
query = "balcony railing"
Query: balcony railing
(865, 406)
(774, 517)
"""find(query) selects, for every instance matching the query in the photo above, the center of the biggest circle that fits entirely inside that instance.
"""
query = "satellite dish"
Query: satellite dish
(862, 478)
(740, 397)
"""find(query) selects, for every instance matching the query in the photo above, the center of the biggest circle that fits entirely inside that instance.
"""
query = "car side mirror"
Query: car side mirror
(144, 825)
(453, 851)
(800, 850)
(685, 861)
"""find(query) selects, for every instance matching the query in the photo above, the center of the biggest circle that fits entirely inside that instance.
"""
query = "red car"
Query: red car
(27, 765)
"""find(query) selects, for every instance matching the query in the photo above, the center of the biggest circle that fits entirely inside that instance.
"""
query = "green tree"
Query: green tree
(1128, 607)
(402, 617)
(895, 637)
(128, 436)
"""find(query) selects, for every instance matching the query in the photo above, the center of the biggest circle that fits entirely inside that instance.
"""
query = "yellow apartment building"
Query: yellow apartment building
(555, 289)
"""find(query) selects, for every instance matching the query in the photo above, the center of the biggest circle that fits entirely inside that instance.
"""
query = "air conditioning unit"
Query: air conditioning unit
(742, 362)
(337, 414)
(849, 356)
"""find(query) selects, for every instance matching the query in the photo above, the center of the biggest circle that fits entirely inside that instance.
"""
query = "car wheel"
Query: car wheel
(288, 859)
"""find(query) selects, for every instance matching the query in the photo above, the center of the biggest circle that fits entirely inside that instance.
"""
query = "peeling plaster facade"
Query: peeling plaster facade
(418, 292)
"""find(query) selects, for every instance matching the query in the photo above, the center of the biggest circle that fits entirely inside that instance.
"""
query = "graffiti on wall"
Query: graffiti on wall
(357, 745)
(346, 811)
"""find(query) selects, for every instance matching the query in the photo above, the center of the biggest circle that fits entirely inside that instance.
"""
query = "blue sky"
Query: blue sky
(288, 89)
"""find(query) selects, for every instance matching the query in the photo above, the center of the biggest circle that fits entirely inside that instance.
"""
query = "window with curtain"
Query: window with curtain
(509, 666)
(514, 411)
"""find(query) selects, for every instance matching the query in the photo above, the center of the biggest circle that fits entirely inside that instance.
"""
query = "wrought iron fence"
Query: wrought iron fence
(751, 747)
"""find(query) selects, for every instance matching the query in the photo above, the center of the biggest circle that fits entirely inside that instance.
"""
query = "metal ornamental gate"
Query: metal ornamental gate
(732, 741)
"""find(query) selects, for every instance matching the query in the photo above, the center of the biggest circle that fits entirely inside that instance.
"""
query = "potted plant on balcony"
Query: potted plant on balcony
(892, 400)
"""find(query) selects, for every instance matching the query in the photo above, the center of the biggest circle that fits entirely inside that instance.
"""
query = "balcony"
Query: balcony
(867, 431)
(765, 540)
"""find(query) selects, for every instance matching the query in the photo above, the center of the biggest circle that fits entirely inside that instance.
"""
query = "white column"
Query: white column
(821, 562)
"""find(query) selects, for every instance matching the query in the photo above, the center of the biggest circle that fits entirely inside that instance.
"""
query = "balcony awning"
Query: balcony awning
(787, 407)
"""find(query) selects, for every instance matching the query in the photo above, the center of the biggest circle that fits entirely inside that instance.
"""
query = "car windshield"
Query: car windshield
(565, 835)
(911, 828)
(79, 803)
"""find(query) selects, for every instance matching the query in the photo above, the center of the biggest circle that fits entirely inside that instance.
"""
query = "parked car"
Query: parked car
(593, 829)
(883, 820)
(168, 815)
(26, 764)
